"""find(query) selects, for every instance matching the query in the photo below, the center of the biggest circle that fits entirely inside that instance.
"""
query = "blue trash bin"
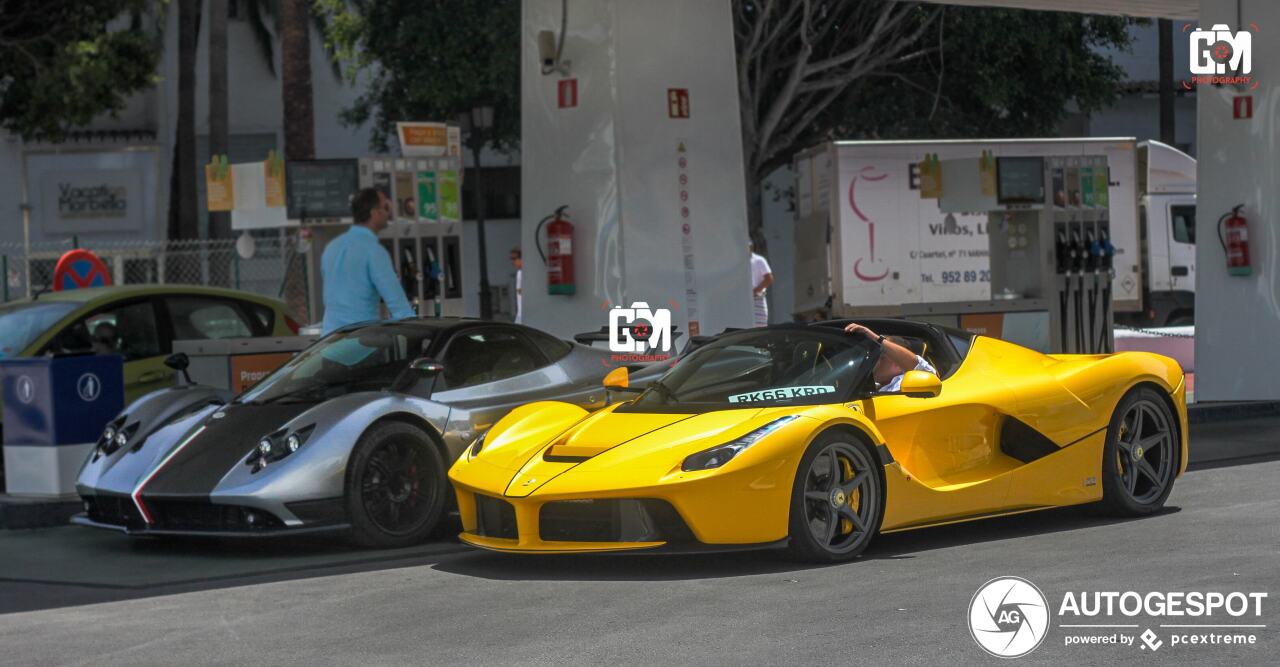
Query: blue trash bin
(54, 410)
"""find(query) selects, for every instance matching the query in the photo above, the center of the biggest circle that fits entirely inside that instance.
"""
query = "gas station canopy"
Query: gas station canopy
(1165, 9)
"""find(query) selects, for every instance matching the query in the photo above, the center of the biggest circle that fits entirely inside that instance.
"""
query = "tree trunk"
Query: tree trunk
(295, 67)
(1167, 125)
(219, 139)
(183, 221)
(755, 207)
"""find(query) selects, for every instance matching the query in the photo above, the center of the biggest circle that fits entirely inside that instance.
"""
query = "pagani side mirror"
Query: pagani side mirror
(420, 368)
(179, 361)
(920, 384)
(426, 366)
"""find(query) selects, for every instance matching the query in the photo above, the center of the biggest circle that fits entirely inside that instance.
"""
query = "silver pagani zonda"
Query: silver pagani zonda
(355, 433)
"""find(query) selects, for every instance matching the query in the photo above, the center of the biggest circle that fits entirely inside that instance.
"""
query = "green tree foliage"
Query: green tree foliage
(429, 60)
(64, 63)
(996, 73)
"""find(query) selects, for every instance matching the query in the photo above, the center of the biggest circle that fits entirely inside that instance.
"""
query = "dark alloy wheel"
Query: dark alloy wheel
(395, 486)
(1141, 455)
(837, 500)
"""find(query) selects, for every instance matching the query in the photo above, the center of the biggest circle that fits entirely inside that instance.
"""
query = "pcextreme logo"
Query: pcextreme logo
(1008, 617)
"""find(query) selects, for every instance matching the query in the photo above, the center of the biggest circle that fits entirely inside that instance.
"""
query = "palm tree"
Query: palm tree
(295, 65)
(182, 179)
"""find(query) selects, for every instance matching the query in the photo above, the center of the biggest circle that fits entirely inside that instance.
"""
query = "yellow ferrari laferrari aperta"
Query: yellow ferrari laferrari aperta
(776, 436)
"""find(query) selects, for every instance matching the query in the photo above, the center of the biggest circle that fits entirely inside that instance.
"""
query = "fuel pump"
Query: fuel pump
(1049, 243)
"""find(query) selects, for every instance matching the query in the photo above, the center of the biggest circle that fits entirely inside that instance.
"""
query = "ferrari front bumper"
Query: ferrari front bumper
(581, 525)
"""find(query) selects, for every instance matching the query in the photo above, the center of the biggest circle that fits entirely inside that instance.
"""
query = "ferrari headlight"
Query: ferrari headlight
(109, 433)
(722, 454)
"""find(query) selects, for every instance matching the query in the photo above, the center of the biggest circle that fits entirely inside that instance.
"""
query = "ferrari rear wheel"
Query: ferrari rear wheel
(837, 501)
(396, 486)
(1140, 458)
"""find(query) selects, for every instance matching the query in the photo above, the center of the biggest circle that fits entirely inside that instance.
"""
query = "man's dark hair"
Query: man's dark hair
(517, 254)
(363, 203)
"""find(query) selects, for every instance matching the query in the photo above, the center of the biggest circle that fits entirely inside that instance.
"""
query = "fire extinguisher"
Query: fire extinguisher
(1236, 241)
(559, 255)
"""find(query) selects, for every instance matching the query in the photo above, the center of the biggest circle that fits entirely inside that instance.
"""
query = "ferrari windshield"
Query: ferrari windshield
(364, 359)
(764, 368)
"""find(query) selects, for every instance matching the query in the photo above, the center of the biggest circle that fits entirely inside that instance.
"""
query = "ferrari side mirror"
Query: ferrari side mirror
(920, 384)
(618, 379)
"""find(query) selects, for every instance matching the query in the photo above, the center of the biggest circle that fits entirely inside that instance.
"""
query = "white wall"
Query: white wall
(614, 160)
(1238, 318)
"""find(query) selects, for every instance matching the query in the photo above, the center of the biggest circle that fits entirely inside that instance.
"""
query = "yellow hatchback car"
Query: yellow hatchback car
(778, 437)
(139, 322)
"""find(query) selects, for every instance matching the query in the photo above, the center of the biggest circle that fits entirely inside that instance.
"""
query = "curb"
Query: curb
(17, 512)
(1204, 413)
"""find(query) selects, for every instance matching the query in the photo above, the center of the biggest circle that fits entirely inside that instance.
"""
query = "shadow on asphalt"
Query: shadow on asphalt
(659, 567)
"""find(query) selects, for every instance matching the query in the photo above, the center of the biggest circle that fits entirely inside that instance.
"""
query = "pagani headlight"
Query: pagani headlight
(277, 445)
(722, 454)
(115, 436)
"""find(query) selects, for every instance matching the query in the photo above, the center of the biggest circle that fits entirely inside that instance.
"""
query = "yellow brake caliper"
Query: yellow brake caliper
(855, 498)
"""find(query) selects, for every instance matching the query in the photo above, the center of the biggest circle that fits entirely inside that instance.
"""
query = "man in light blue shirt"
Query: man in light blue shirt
(357, 270)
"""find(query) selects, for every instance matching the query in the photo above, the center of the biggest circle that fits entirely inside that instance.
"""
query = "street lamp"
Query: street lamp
(477, 124)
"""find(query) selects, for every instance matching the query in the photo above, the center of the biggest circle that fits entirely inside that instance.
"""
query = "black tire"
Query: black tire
(857, 502)
(396, 486)
(1141, 456)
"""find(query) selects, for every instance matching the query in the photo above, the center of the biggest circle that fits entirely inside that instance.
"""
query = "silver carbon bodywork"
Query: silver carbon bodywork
(189, 466)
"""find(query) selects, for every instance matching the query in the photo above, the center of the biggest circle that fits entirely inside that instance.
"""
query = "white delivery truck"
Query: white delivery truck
(866, 243)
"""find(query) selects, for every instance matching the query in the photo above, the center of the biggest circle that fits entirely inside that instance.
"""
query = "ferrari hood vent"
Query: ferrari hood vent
(608, 431)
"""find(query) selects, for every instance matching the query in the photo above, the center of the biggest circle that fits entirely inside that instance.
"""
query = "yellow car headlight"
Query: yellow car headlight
(722, 454)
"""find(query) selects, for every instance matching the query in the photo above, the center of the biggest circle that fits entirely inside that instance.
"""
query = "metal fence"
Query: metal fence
(275, 268)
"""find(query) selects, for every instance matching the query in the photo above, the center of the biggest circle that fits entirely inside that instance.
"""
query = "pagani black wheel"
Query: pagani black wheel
(837, 501)
(1141, 455)
(396, 486)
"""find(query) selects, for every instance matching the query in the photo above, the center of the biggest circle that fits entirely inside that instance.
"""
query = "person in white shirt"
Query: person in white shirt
(761, 279)
(895, 359)
(517, 260)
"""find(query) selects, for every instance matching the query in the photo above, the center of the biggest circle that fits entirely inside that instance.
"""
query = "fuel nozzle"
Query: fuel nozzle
(1108, 251)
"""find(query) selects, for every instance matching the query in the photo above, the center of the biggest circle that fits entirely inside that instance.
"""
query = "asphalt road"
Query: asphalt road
(904, 602)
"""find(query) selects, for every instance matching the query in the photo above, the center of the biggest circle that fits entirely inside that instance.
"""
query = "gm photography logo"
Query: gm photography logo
(1008, 617)
(637, 333)
(1221, 57)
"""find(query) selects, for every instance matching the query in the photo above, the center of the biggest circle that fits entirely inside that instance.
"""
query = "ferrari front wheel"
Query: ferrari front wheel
(1140, 458)
(395, 488)
(837, 501)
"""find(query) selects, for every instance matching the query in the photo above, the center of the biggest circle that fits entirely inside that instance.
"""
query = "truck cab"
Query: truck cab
(1167, 233)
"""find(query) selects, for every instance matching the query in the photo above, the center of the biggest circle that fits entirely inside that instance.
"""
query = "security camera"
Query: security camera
(547, 49)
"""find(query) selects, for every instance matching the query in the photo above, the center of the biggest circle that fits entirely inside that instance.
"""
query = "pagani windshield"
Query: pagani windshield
(764, 368)
(364, 359)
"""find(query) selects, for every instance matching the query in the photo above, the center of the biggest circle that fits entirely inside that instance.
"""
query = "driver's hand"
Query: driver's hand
(859, 329)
